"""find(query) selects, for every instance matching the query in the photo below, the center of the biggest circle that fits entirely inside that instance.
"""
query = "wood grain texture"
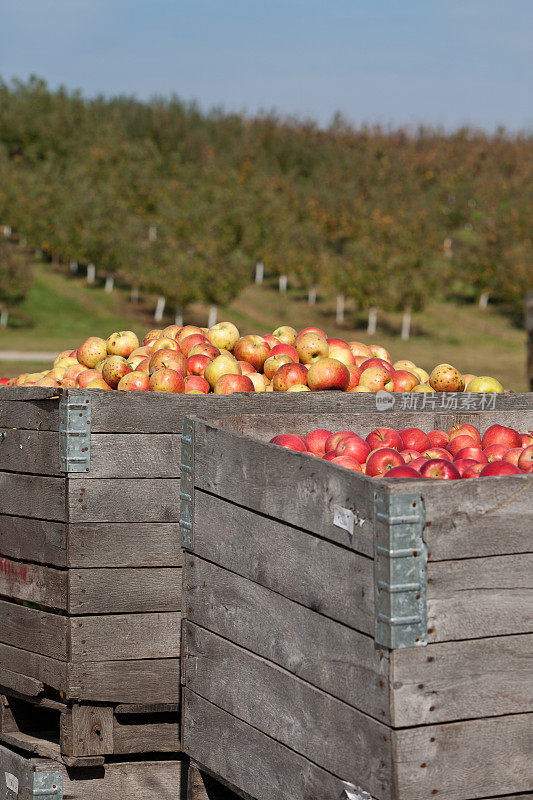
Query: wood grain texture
(45, 670)
(33, 539)
(461, 760)
(330, 733)
(135, 455)
(33, 496)
(123, 500)
(124, 544)
(87, 730)
(477, 597)
(317, 573)
(134, 780)
(37, 631)
(119, 590)
(35, 452)
(23, 684)
(126, 681)
(328, 655)
(23, 580)
(118, 637)
(461, 680)
(160, 734)
(38, 414)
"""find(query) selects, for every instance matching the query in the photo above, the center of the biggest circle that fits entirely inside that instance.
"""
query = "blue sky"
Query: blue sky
(400, 62)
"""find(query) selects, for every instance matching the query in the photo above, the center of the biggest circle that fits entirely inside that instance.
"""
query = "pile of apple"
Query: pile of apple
(460, 452)
(192, 360)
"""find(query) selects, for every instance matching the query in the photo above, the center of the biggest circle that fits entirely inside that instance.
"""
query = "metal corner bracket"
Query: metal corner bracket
(48, 785)
(75, 433)
(187, 486)
(400, 570)
(352, 792)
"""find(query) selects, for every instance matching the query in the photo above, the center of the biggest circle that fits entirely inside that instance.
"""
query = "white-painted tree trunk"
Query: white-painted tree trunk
(213, 316)
(406, 325)
(4, 316)
(134, 294)
(7, 231)
(73, 266)
(159, 309)
(178, 319)
(283, 283)
(259, 272)
(311, 297)
(484, 300)
(339, 316)
(109, 283)
(91, 273)
(372, 320)
(152, 233)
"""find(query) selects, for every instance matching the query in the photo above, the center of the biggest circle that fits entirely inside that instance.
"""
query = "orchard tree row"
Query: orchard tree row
(172, 200)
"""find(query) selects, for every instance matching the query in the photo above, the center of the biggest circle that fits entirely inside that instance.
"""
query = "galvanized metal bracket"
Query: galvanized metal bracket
(75, 433)
(400, 570)
(187, 486)
(351, 792)
(48, 785)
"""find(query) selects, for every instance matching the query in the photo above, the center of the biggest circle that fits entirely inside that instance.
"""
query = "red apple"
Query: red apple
(334, 439)
(311, 347)
(172, 359)
(381, 461)
(316, 441)
(319, 331)
(114, 368)
(122, 343)
(187, 330)
(417, 463)
(152, 335)
(465, 429)
(134, 382)
(187, 344)
(164, 343)
(273, 363)
(204, 349)
(496, 468)
(143, 366)
(328, 373)
(414, 439)
(459, 442)
(513, 455)
(84, 378)
(527, 439)
(333, 342)
(254, 350)
(463, 464)
(403, 381)
(499, 434)
(286, 349)
(355, 374)
(291, 441)
(246, 368)
(376, 379)
(495, 452)
(358, 360)
(195, 383)
(438, 453)
(525, 462)
(380, 352)
(271, 340)
(196, 364)
(289, 375)
(330, 455)
(167, 380)
(409, 455)
(475, 453)
(347, 462)
(473, 471)
(439, 468)
(229, 384)
(384, 437)
(355, 447)
(402, 472)
(378, 362)
(359, 349)
(438, 438)
(96, 383)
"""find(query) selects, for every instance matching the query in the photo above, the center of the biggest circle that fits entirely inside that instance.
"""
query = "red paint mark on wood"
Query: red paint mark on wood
(13, 571)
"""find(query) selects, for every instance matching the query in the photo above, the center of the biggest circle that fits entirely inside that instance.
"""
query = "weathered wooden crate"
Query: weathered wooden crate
(24, 778)
(347, 635)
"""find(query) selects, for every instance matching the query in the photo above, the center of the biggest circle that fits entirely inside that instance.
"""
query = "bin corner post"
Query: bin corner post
(75, 433)
(187, 486)
(47, 785)
(400, 570)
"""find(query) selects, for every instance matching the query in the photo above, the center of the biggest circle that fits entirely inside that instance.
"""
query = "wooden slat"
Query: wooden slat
(35, 666)
(317, 573)
(37, 631)
(123, 500)
(117, 637)
(33, 496)
(21, 580)
(131, 681)
(115, 591)
(479, 597)
(124, 544)
(86, 730)
(23, 684)
(251, 761)
(134, 780)
(159, 735)
(461, 760)
(39, 414)
(319, 727)
(461, 680)
(35, 452)
(135, 455)
(33, 539)
(328, 655)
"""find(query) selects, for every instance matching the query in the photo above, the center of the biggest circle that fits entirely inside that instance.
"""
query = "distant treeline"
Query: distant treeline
(173, 200)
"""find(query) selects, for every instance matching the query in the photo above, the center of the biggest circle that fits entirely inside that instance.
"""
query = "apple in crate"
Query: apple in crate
(440, 469)
(167, 380)
(289, 375)
(285, 349)
(484, 384)
(311, 346)
(438, 453)
(229, 384)
(223, 335)
(445, 378)
(355, 447)
(252, 349)
(122, 343)
(347, 462)
(498, 468)
(475, 453)
(414, 439)
(286, 334)
(380, 461)
(525, 462)
(328, 373)
(291, 441)
(384, 437)
(187, 344)
(402, 471)
(134, 382)
(499, 434)
(224, 364)
(92, 351)
(316, 441)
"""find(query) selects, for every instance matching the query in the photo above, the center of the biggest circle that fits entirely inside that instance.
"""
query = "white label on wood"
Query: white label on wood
(344, 518)
(12, 783)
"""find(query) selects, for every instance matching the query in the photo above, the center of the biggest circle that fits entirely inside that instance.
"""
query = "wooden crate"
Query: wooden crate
(24, 778)
(317, 662)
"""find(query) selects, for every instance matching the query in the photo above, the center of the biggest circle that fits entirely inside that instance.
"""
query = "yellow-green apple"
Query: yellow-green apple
(316, 441)
(194, 383)
(204, 349)
(319, 331)
(342, 354)
(499, 434)
(56, 372)
(384, 437)
(84, 378)
(172, 359)
(298, 387)
(196, 364)
(221, 365)
(376, 378)
(115, 367)
(223, 334)
(252, 349)
(423, 387)
(187, 344)
(498, 468)
(273, 363)
(380, 352)
(485, 384)
(100, 364)
(380, 461)
(421, 374)
(286, 349)
(98, 383)
(360, 349)
(347, 462)
(122, 343)
(328, 373)
(289, 375)
(403, 381)
(134, 382)
(66, 362)
(290, 441)
(445, 378)
(50, 382)
(164, 343)
(285, 334)
(171, 331)
(62, 354)
(155, 333)
(525, 462)
(91, 351)
(355, 447)
(135, 361)
(311, 346)
(408, 365)
(360, 388)
(414, 439)
(167, 380)
(188, 330)
(259, 381)
(229, 384)
(439, 469)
